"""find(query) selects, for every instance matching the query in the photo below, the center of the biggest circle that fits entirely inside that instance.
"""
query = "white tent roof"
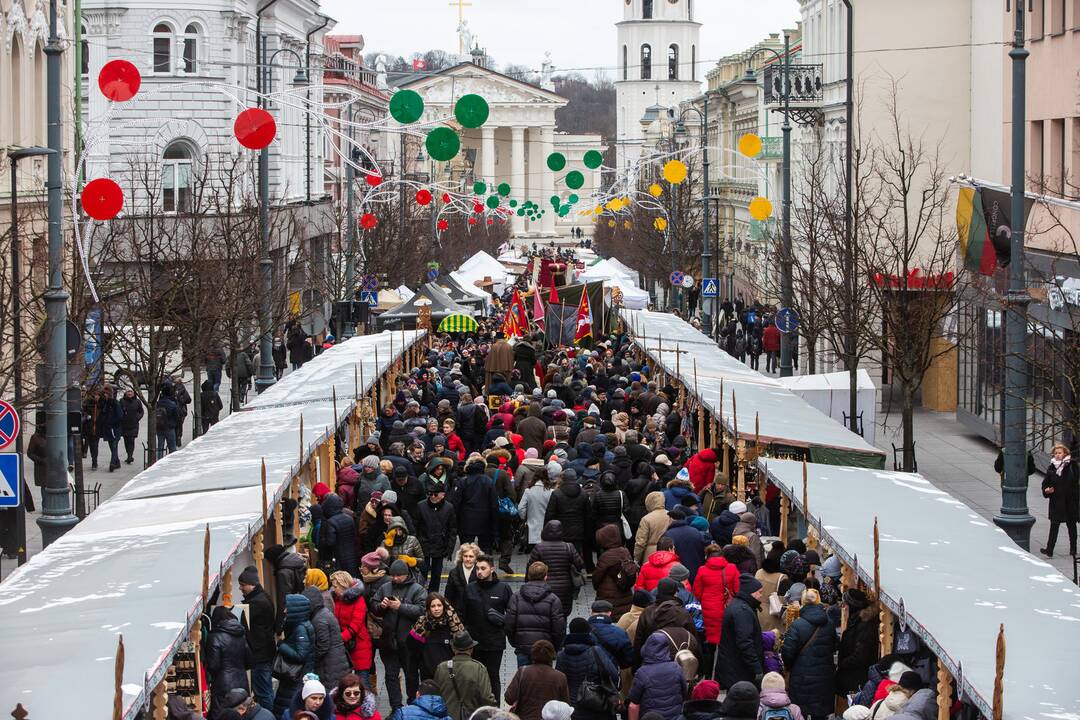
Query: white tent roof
(605, 270)
(405, 293)
(467, 285)
(827, 381)
(482, 265)
(623, 267)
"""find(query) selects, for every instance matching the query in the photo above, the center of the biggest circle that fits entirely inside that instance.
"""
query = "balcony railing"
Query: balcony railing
(340, 68)
(805, 84)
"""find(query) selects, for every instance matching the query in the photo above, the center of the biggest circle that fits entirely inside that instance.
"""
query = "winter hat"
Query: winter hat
(312, 687)
(561, 454)
(667, 588)
(773, 681)
(831, 567)
(856, 599)
(400, 471)
(316, 578)
(554, 469)
(812, 557)
(619, 451)
(501, 441)
(320, 490)
(793, 564)
(683, 475)
(749, 583)
(569, 475)
(911, 680)
(857, 712)
(601, 606)
(706, 690)
(556, 710)
(741, 701)
(580, 625)
(235, 698)
(663, 459)
(372, 439)
(376, 497)
(699, 523)
(371, 561)
(249, 576)
(677, 513)
(794, 593)
(738, 507)
(552, 394)
(274, 552)
(679, 573)
(389, 497)
(398, 567)
(531, 454)
(371, 462)
(642, 598)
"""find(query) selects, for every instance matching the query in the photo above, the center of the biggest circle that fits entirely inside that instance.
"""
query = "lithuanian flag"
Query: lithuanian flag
(975, 245)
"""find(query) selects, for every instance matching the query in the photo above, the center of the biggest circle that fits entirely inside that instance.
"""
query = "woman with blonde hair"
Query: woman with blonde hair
(459, 577)
(1061, 487)
(807, 652)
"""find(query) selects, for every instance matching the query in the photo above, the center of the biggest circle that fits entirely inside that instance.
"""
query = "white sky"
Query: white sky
(580, 34)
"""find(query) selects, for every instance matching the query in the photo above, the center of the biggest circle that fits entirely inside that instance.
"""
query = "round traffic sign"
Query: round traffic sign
(687, 281)
(676, 278)
(9, 424)
(432, 274)
(787, 320)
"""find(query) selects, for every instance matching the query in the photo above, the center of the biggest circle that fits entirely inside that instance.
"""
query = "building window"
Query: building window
(1057, 17)
(673, 62)
(1038, 19)
(176, 178)
(690, 10)
(693, 62)
(646, 62)
(163, 40)
(84, 52)
(646, 9)
(625, 69)
(191, 49)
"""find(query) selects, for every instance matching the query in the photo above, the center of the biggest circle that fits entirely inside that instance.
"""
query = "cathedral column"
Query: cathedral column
(547, 179)
(517, 175)
(487, 153)
(537, 173)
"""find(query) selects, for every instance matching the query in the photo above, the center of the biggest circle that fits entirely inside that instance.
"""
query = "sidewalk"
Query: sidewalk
(962, 463)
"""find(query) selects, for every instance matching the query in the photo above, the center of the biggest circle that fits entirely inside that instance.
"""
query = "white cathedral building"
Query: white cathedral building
(657, 61)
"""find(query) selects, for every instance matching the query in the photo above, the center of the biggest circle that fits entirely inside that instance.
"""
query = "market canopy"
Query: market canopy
(458, 323)
(406, 313)
(464, 294)
(953, 578)
(481, 266)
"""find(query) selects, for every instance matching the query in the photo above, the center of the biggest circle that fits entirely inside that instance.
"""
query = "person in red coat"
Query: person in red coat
(702, 468)
(658, 565)
(716, 582)
(770, 343)
(350, 609)
(453, 441)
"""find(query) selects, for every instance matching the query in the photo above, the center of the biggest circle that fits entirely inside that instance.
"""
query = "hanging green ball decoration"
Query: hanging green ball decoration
(556, 161)
(471, 111)
(493, 201)
(479, 188)
(513, 203)
(442, 144)
(504, 189)
(406, 106)
(574, 180)
(593, 159)
(521, 212)
(555, 201)
(564, 211)
(573, 198)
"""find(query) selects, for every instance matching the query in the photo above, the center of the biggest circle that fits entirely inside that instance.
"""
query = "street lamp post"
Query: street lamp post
(265, 377)
(56, 516)
(786, 283)
(350, 224)
(16, 336)
(1014, 518)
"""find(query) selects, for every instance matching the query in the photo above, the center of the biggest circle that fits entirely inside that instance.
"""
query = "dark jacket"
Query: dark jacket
(562, 559)
(533, 431)
(608, 503)
(337, 535)
(436, 528)
(110, 418)
(331, 659)
(457, 586)
(740, 655)
(569, 506)
(608, 578)
(858, 650)
(689, 545)
(210, 403)
(722, 526)
(133, 413)
(534, 613)
(582, 660)
(297, 647)
(227, 658)
(409, 495)
(664, 615)
(476, 503)
(532, 687)
(613, 639)
(289, 573)
(659, 685)
(396, 624)
(261, 625)
(1065, 500)
(808, 655)
(486, 602)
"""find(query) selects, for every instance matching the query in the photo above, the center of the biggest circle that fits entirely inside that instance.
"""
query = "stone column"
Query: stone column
(517, 175)
(535, 178)
(487, 153)
(547, 178)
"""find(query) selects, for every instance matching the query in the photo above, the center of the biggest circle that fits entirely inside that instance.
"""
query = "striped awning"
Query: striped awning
(457, 323)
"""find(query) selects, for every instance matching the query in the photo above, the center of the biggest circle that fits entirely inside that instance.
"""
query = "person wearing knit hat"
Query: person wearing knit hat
(857, 712)
(642, 598)
(262, 623)
(679, 573)
(706, 690)
(774, 697)
(831, 567)
(320, 490)
(371, 462)
(556, 709)
(738, 507)
(399, 603)
(312, 696)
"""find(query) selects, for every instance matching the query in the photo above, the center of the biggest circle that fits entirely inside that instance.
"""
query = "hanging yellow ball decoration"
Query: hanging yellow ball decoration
(599, 210)
(655, 190)
(611, 223)
(675, 171)
(750, 145)
(626, 224)
(660, 224)
(760, 209)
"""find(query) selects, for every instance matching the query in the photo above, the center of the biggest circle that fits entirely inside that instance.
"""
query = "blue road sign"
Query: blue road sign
(370, 282)
(676, 278)
(787, 320)
(710, 288)
(370, 297)
(432, 274)
(10, 495)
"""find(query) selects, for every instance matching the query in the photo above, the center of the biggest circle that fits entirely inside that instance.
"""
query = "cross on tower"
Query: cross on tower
(460, 5)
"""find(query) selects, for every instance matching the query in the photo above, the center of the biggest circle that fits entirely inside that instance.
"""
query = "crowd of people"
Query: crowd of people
(578, 462)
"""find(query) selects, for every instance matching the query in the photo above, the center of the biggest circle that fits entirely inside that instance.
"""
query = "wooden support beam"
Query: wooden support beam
(805, 494)
(206, 567)
(885, 630)
(785, 510)
(877, 560)
(226, 587)
(159, 699)
(329, 469)
(999, 675)
(257, 547)
(118, 680)
(848, 579)
(294, 491)
(944, 692)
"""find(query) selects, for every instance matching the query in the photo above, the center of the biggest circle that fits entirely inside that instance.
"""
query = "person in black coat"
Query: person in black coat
(436, 528)
(337, 535)
(562, 560)
(740, 655)
(570, 506)
(210, 405)
(1061, 488)
(608, 503)
(486, 602)
(109, 418)
(476, 503)
(858, 648)
(227, 657)
(129, 426)
(808, 655)
(534, 613)
(289, 573)
(525, 364)
(260, 635)
(582, 660)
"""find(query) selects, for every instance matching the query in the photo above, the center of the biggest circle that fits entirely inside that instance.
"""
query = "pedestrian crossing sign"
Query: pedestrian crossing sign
(371, 297)
(709, 288)
(9, 480)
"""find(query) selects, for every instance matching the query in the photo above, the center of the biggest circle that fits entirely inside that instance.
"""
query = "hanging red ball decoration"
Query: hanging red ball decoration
(443, 225)
(255, 128)
(368, 221)
(423, 196)
(119, 80)
(373, 180)
(472, 220)
(102, 199)
(491, 221)
(478, 208)
(446, 197)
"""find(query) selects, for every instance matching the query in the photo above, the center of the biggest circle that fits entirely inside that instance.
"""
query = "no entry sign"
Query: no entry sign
(9, 424)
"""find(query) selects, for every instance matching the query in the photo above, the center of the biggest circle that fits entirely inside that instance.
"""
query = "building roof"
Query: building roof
(410, 82)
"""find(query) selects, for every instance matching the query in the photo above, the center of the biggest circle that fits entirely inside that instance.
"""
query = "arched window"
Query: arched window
(625, 69)
(191, 48)
(646, 9)
(176, 177)
(84, 52)
(646, 62)
(673, 62)
(15, 109)
(163, 41)
(693, 62)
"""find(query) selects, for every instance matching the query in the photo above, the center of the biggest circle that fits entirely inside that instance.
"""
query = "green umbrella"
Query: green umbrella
(457, 323)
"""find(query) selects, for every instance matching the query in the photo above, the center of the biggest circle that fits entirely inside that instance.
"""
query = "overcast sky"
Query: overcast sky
(580, 34)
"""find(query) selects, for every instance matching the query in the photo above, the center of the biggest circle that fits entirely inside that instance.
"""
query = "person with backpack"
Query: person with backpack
(591, 676)
(166, 420)
(615, 573)
(609, 636)
(659, 684)
(807, 651)
(210, 404)
(774, 703)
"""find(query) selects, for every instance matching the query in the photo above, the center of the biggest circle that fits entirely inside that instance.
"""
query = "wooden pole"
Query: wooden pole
(785, 510)
(159, 701)
(118, 680)
(877, 560)
(377, 380)
(757, 432)
(301, 442)
(999, 675)
(333, 395)
(735, 416)
(264, 503)
(356, 382)
(944, 692)
(805, 494)
(206, 567)
(885, 630)
(226, 587)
